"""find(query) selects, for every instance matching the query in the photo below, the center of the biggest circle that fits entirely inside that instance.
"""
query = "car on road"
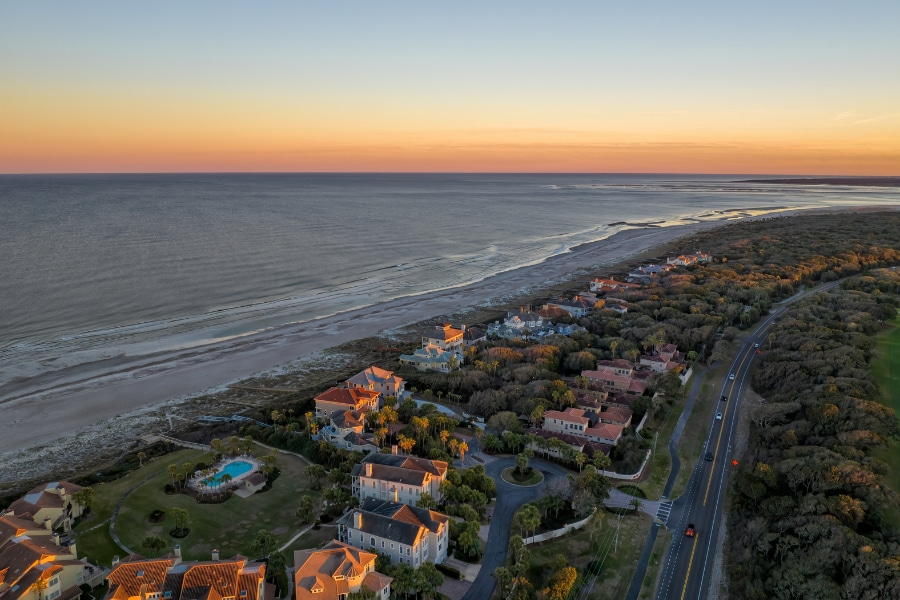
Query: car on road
(690, 530)
(723, 398)
(756, 345)
(731, 377)
(718, 416)
(709, 456)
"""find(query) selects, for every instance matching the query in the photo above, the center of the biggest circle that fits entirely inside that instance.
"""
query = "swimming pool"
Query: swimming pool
(235, 469)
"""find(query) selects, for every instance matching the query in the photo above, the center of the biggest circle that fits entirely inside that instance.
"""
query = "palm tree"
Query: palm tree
(454, 446)
(172, 470)
(153, 544)
(39, 586)
(444, 435)
(406, 444)
(636, 504)
(216, 444)
(305, 508)
(226, 479)
(580, 459)
(463, 448)
(309, 420)
(141, 456)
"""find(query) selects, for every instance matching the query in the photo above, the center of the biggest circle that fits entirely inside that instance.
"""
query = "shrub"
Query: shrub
(449, 571)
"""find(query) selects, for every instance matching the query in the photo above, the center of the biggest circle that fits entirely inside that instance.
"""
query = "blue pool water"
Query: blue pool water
(235, 469)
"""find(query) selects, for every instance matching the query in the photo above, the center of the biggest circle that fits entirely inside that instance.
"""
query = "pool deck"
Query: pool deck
(219, 467)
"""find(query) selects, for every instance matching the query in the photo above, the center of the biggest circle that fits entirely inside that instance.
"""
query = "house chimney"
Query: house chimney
(61, 491)
(463, 327)
(48, 524)
(215, 554)
(55, 537)
(394, 449)
(357, 520)
(395, 494)
(115, 561)
(368, 469)
(73, 548)
(177, 550)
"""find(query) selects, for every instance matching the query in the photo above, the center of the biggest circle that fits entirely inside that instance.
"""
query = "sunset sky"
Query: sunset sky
(699, 87)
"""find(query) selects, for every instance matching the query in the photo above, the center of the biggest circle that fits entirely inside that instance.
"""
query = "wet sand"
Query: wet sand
(41, 407)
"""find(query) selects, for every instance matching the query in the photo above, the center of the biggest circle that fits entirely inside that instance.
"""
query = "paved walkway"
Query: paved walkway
(619, 499)
(115, 515)
(288, 452)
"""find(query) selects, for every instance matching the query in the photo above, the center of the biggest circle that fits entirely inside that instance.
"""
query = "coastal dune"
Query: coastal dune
(41, 407)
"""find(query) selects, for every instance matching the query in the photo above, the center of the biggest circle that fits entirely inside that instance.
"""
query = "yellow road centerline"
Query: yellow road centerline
(690, 562)
(722, 426)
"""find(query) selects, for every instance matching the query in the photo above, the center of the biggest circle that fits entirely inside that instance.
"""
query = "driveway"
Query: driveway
(509, 498)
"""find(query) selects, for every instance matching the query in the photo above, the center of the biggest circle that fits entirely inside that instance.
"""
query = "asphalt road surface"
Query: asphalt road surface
(687, 568)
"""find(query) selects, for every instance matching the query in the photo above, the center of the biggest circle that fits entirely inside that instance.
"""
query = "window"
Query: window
(392, 545)
(361, 538)
(372, 541)
(53, 582)
(139, 574)
(55, 595)
(407, 551)
(167, 594)
(243, 593)
(382, 543)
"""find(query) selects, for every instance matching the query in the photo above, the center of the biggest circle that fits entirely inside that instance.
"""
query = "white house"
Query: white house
(397, 478)
(378, 380)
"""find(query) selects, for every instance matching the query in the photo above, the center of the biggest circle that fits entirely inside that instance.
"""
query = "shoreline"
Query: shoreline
(50, 405)
(69, 418)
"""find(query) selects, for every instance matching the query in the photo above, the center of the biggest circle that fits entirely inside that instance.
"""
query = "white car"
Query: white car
(731, 377)
(718, 416)
(756, 345)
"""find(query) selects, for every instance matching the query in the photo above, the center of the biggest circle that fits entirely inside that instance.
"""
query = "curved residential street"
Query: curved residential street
(509, 498)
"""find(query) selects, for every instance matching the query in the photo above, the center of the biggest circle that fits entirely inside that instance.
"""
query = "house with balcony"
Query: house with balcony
(378, 380)
(405, 534)
(170, 578)
(347, 431)
(336, 571)
(445, 337)
(572, 421)
(341, 399)
(576, 307)
(38, 568)
(50, 505)
(432, 358)
(398, 478)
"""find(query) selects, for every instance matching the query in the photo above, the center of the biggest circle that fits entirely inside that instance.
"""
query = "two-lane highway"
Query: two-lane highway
(686, 571)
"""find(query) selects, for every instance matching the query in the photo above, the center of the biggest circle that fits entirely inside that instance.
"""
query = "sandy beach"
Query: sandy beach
(45, 407)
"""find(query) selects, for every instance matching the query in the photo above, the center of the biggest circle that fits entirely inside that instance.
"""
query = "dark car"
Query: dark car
(723, 398)
(709, 456)
(690, 530)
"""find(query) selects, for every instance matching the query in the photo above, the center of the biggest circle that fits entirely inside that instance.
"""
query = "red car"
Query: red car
(690, 530)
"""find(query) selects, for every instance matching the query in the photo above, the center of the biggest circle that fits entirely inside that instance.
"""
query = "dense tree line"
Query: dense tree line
(808, 514)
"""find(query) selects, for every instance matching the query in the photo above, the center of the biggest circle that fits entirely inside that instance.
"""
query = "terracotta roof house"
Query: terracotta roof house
(406, 534)
(378, 380)
(617, 416)
(607, 377)
(341, 399)
(398, 478)
(552, 312)
(49, 505)
(336, 571)
(607, 285)
(605, 433)
(572, 421)
(575, 442)
(25, 560)
(619, 365)
(168, 578)
(445, 337)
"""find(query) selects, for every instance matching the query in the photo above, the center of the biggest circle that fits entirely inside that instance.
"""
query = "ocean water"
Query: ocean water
(94, 261)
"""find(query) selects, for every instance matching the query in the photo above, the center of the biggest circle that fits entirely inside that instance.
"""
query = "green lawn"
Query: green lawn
(618, 559)
(97, 544)
(229, 526)
(694, 433)
(533, 479)
(886, 370)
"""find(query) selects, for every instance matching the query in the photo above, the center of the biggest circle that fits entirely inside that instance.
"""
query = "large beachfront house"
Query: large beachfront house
(398, 478)
(614, 382)
(341, 399)
(336, 571)
(50, 505)
(573, 421)
(445, 337)
(37, 567)
(611, 285)
(378, 380)
(168, 578)
(432, 358)
(346, 431)
(406, 534)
